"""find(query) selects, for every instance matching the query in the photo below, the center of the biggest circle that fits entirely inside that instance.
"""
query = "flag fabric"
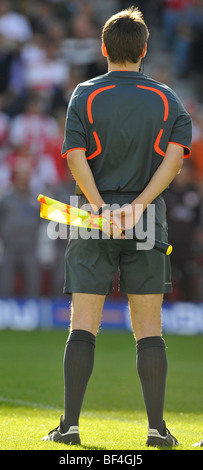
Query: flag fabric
(63, 213)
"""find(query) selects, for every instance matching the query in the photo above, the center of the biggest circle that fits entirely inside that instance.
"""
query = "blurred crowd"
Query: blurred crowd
(46, 48)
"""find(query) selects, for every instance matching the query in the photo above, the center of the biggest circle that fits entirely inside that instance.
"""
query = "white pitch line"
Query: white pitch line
(89, 414)
(27, 403)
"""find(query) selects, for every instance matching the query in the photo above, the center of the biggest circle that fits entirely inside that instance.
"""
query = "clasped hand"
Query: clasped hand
(120, 220)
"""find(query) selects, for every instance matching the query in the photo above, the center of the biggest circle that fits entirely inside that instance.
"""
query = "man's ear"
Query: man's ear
(104, 50)
(144, 51)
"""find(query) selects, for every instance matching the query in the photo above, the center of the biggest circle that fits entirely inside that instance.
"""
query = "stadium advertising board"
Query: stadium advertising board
(29, 314)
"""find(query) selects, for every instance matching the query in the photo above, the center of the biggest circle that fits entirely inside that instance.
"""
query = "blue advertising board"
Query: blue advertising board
(28, 314)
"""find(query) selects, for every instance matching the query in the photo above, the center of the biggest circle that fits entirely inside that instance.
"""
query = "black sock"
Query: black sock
(78, 366)
(152, 370)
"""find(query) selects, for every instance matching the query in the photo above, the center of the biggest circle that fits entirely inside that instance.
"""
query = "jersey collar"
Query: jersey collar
(125, 73)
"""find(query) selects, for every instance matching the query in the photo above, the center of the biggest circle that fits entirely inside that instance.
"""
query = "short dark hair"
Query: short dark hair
(124, 35)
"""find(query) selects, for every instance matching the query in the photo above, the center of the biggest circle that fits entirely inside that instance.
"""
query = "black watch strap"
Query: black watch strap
(102, 209)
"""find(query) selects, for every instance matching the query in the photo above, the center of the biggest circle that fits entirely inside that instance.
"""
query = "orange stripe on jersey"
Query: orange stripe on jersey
(64, 155)
(157, 142)
(98, 150)
(160, 93)
(185, 147)
(91, 98)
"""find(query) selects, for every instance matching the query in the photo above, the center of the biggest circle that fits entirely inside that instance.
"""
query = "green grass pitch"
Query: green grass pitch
(113, 414)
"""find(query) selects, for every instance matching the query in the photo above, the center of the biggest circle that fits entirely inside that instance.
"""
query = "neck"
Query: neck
(126, 67)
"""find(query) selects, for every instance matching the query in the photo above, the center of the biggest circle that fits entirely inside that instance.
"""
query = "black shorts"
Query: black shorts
(91, 264)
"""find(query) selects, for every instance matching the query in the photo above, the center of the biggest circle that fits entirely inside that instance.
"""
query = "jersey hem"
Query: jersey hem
(185, 147)
(64, 155)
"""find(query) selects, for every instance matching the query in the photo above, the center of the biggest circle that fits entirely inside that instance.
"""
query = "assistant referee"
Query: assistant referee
(125, 139)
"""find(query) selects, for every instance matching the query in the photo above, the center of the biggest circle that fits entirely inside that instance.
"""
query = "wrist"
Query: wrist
(140, 201)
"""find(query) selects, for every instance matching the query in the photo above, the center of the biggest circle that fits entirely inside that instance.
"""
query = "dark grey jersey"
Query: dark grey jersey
(124, 121)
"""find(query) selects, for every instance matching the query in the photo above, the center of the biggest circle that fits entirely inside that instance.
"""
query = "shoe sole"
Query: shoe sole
(71, 439)
(159, 442)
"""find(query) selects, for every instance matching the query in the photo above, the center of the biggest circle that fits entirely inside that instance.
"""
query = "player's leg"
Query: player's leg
(79, 353)
(86, 312)
(145, 311)
(78, 363)
(145, 276)
(90, 267)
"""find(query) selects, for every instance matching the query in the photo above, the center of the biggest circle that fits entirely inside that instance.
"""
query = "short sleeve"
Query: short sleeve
(181, 133)
(75, 135)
